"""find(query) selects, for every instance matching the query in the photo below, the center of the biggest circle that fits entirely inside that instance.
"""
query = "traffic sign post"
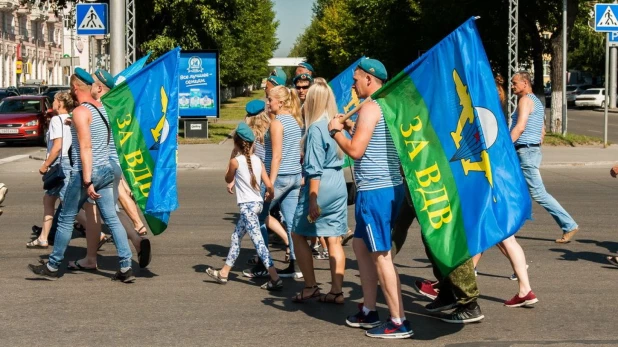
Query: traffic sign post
(92, 19)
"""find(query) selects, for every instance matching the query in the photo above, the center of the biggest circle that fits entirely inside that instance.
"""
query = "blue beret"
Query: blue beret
(373, 67)
(84, 76)
(244, 132)
(303, 77)
(276, 80)
(306, 66)
(254, 107)
(280, 73)
(105, 78)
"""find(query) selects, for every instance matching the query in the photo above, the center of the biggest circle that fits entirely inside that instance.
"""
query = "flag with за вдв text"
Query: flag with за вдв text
(464, 177)
(143, 114)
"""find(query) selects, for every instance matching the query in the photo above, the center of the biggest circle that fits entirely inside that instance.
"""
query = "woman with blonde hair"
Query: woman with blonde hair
(58, 143)
(282, 163)
(322, 209)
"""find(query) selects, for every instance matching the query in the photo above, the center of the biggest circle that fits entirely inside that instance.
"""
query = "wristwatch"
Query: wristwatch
(333, 132)
(87, 184)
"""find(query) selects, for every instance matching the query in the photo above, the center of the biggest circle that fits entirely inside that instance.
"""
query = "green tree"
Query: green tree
(242, 30)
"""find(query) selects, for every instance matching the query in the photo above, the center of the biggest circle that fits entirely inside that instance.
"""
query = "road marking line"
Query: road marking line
(13, 158)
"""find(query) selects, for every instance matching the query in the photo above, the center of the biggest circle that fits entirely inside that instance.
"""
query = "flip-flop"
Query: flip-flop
(142, 231)
(105, 240)
(144, 256)
(74, 266)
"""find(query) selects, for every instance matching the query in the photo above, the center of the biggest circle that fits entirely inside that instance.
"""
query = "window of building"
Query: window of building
(50, 33)
(23, 26)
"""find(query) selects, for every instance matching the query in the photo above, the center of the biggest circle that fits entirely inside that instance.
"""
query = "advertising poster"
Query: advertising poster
(198, 93)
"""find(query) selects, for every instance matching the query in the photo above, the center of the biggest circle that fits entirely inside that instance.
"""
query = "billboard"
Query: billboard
(198, 92)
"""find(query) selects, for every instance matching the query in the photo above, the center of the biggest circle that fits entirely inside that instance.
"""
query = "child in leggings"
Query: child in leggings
(246, 170)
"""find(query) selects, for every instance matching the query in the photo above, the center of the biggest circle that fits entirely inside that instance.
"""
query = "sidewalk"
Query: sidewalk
(216, 157)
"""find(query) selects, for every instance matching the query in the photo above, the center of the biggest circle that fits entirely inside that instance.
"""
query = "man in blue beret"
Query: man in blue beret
(304, 67)
(380, 187)
(273, 81)
(302, 83)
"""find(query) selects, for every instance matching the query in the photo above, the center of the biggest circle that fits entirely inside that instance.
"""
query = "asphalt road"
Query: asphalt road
(173, 303)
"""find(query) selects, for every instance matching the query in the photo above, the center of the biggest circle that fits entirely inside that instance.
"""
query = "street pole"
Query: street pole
(117, 35)
(606, 88)
(564, 67)
(612, 75)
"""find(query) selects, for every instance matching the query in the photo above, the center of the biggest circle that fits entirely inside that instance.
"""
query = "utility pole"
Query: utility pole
(613, 53)
(564, 67)
(117, 35)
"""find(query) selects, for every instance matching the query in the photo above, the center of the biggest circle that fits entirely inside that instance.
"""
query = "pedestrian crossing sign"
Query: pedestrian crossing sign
(605, 19)
(91, 19)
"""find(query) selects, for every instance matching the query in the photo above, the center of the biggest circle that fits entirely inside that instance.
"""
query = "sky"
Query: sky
(293, 16)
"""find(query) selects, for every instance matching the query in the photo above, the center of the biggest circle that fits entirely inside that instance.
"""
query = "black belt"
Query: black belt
(527, 146)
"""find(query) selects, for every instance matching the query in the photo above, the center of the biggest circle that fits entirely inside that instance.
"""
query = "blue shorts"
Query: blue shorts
(375, 212)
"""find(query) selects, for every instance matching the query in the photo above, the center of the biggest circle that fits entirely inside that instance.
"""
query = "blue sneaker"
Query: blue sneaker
(360, 320)
(390, 330)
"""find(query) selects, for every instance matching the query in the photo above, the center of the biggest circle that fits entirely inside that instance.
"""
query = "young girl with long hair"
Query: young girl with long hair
(247, 172)
(322, 209)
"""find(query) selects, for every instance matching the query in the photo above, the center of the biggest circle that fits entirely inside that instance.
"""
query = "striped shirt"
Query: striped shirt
(379, 165)
(534, 126)
(259, 150)
(98, 138)
(290, 151)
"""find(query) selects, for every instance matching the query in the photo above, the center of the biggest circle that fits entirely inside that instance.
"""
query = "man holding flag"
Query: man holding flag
(380, 194)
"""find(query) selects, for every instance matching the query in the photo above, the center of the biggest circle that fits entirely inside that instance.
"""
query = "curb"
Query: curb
(582, 164)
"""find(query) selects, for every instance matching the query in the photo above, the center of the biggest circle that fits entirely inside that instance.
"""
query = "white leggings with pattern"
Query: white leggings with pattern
(248, 222)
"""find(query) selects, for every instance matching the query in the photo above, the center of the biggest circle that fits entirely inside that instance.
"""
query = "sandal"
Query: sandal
(105, 240)
(37, 244)
(74, 266)
(331, 298)
(142, 232)
(613, 260)
(287, 254)
(273, 285)
(216, 275)
(300, 297)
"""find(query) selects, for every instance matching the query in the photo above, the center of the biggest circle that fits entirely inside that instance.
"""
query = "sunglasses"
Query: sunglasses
(301, 87)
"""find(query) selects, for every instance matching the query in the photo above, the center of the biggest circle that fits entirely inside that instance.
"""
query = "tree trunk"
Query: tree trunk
(557, 63)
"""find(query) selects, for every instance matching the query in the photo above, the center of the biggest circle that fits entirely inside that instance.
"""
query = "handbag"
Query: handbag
(55, 175)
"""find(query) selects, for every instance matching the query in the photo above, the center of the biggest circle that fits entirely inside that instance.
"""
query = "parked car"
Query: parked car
(53, 89)
(25, 118)
(593, 97)
(573, 90)
(6, 92)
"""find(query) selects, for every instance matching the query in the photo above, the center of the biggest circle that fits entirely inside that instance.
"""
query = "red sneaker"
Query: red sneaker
(426, 288)
(516, 301)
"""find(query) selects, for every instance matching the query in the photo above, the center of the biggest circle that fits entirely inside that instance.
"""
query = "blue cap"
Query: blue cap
(373, 67)
(84, 76)
(279, 72)
(276, 80)
(254, 107)
(105, 78)
(306, 66)
(244, 132)
(303, 77)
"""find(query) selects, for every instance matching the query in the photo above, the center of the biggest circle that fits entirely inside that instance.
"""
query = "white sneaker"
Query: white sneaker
(3, 191)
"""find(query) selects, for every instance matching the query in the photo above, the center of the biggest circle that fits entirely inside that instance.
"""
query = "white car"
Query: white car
(593, 97)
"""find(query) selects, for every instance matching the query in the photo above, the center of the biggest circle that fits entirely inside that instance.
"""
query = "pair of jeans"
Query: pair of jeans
(530, 160)
(75, 196)
(287, 193)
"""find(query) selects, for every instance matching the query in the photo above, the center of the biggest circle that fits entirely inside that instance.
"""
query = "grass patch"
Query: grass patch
(572, 140)
(234, 109)
(217, 132)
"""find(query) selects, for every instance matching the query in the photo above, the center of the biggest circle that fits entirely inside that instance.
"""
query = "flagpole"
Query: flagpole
(353, 111)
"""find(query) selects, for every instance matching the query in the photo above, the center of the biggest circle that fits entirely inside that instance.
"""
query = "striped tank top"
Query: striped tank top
(379, 165)
(534, 126)
(259, 150)
(98, 137)
(290, 152)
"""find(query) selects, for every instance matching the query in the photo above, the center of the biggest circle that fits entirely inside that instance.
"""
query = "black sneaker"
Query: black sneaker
(287, 272)
(438, 305)
(469, 313)
(360, 320)
(124, 277)
(270, 285)
(258, 271)
(43, 271)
